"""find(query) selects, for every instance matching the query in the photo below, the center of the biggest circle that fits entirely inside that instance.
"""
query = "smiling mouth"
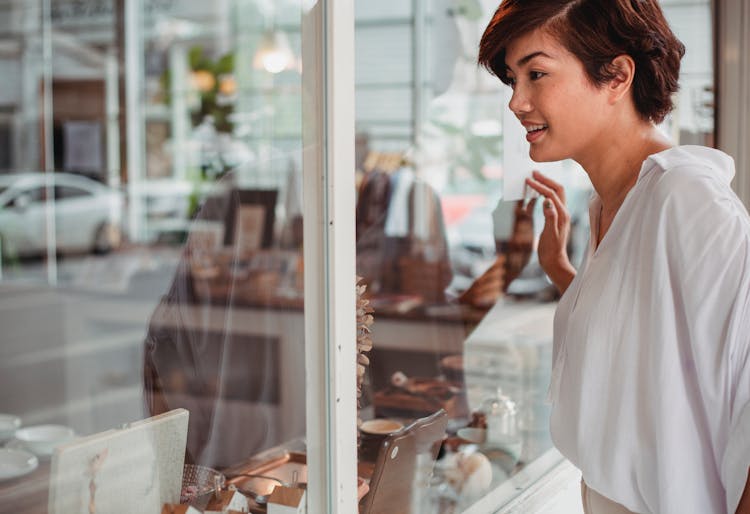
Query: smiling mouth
(531, 129)
(535, 132)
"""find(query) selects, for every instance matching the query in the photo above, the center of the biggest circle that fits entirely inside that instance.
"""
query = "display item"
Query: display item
(502, 423)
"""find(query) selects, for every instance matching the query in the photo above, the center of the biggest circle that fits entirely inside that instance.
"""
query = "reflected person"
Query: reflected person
(201, 356)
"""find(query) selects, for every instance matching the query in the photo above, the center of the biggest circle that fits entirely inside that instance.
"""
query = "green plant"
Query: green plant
(213, 80)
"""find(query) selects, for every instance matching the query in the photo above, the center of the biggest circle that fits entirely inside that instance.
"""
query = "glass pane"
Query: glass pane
(462, 309)
(692, 121)
(156, 268)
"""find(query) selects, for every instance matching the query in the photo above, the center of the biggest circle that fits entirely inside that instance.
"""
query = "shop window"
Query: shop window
(183, 286)
(153, 307)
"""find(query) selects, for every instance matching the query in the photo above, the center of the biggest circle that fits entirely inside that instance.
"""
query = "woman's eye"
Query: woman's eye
(536, 75)
(511, 82)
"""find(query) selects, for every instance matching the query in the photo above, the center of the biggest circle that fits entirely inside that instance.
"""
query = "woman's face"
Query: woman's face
(564, 114)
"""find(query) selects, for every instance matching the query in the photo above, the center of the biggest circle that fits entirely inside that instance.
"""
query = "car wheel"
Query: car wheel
(106, 238)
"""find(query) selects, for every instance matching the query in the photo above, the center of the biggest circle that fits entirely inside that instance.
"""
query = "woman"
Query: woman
(651, 372)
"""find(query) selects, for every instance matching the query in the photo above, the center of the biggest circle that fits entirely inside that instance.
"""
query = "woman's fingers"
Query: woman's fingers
(550, 215)
(555, 186)
(553, 239)
(548, 193)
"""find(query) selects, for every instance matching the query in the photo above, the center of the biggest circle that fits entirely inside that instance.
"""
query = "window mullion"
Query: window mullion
(328, 117)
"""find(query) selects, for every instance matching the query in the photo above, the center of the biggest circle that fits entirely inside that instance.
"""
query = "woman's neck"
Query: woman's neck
(614, 167)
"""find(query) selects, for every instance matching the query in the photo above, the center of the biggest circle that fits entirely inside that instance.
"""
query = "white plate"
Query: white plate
(8, 425)
(15, 444)
(42, 439)
(16, 463)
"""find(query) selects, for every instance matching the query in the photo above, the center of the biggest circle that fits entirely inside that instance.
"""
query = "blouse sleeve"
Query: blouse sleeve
(734, 469)
(736, 461)
(709, 234)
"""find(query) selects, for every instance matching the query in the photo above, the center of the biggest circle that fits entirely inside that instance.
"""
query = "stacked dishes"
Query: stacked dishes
(25, 446)
(13, 462)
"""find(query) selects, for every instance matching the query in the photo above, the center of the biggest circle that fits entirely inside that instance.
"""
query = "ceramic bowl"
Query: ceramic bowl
(42, 439)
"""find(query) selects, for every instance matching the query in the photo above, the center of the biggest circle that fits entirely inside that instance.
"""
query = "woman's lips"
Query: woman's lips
(534, 135)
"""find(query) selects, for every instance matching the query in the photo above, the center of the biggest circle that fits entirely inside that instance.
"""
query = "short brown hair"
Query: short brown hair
(597, 31)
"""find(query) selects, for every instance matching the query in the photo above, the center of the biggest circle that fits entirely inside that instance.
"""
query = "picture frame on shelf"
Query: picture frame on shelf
(205, 237)
(250, 219)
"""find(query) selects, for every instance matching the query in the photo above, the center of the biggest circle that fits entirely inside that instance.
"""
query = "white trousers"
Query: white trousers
(595, 503)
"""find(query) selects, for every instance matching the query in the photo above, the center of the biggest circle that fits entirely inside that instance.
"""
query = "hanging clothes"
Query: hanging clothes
(400, 225)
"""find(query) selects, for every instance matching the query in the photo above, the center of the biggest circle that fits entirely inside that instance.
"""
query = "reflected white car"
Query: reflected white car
(87, 215)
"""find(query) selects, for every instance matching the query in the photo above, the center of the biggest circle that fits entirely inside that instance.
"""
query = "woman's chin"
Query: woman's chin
(538, 155)
(542, 158)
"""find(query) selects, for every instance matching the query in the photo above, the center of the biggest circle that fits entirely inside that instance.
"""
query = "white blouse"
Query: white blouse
(651, 375)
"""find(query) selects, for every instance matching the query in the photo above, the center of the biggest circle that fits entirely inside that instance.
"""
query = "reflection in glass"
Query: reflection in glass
(152, 277)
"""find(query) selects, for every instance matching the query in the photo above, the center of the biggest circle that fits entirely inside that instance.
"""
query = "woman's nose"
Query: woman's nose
(519, 102)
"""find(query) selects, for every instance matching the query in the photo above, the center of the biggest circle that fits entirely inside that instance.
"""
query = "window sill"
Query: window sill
(535, 489)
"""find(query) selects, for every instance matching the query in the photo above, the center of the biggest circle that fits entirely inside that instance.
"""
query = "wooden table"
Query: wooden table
(27, 494)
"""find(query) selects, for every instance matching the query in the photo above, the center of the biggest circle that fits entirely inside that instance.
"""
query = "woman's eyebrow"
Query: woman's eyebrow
(526, 59)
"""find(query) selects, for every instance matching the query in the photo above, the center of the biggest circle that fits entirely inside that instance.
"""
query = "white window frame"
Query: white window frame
(329, 255)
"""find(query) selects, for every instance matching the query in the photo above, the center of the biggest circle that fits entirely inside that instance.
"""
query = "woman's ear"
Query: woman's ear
(624, 68)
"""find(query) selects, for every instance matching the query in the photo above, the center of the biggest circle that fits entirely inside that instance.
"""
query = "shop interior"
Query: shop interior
(153, 272)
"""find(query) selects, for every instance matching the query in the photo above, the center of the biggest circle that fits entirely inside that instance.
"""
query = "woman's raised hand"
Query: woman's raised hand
(553, 242)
